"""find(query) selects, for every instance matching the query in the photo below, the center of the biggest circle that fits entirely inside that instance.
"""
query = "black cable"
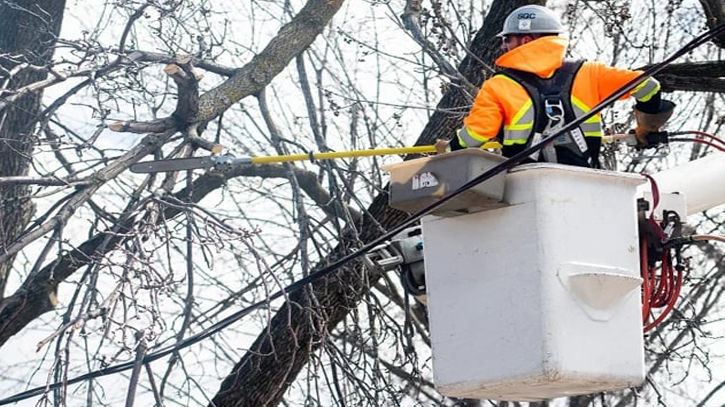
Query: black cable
(504, 166)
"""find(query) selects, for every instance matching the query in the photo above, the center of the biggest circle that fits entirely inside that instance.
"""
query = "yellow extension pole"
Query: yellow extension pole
(227, 161)
(343, 154)
(331, 155)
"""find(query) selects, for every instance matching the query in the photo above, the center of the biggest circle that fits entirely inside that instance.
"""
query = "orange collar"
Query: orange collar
(541, 56)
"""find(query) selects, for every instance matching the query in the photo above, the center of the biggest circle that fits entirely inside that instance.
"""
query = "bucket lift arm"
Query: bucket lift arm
(404, 251)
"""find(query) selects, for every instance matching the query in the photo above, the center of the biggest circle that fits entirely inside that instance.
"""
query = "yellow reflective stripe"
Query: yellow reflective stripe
(593, 133)
(472, 134)
(584, 108)
(578, 103)
(521, 113)
(468, 138)
(526, 108)
(515, 141)
(519, 127)
(645, 90)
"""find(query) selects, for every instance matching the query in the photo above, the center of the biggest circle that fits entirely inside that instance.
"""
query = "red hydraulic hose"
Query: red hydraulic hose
(696, 140)
(699, 133)
(666, 284)
(644, 271)
(658, 291)
(671, 301)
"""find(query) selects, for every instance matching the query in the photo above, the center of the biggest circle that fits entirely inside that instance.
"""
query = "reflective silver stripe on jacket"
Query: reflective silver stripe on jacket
(592, 127)
(521, 126)
(523, 123)
(645, 90)
(468, 138)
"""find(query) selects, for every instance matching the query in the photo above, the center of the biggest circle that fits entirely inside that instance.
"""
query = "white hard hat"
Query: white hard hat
(532, 19)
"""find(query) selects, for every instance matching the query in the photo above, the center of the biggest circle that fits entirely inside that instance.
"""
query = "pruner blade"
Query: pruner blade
(174, 164)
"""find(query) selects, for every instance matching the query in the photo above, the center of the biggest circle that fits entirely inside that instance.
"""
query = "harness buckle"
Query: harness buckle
(554, 109)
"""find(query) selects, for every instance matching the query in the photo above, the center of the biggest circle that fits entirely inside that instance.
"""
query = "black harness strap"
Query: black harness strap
(555, 89)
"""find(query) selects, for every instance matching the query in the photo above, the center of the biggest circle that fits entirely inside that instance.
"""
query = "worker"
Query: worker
(537, 91)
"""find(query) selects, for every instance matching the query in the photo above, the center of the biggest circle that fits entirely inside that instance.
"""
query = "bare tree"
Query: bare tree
(121, 265)
(28, 30)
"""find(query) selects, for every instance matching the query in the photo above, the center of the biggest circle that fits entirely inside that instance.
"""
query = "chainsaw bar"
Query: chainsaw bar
(174, 164)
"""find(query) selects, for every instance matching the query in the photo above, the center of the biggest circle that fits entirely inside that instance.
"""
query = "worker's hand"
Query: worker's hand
(442, 146)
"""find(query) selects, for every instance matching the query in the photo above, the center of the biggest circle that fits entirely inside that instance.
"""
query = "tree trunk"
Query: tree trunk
(28, 30)
(280, 352)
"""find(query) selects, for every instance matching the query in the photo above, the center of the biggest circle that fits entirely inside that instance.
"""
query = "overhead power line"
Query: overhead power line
(509, 163)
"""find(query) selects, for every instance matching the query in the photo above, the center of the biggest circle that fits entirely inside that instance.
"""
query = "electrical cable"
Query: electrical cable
(700, 141)
(715, 142)
(504, 166)
(698, 133)
(694, 238)
(658, 290)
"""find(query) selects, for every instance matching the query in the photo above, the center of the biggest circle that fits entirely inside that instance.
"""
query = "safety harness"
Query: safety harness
(551, 101)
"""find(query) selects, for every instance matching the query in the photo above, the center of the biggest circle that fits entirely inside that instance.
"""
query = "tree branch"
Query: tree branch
(672, 83)
(715, 14)
(146, 147)
(187, 82)
(707, 76)
(265, 372)
(44, 181)
(37, 295)
(293, 38)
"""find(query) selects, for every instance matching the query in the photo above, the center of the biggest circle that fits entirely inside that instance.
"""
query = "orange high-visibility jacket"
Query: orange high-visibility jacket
(502, 102)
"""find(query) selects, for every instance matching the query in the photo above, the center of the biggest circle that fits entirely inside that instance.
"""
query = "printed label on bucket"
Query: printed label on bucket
(424, 180)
